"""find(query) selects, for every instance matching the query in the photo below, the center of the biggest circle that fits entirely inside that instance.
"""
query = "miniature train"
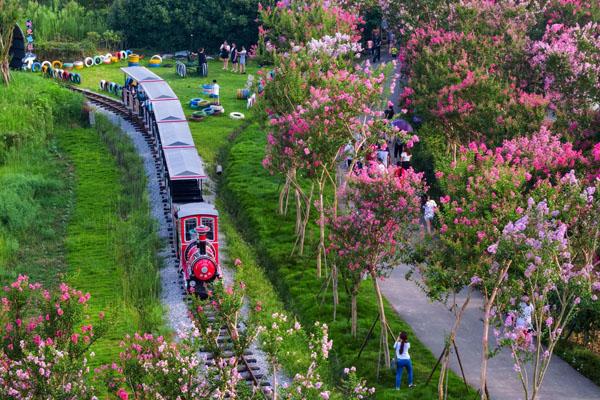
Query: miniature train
(196, 222)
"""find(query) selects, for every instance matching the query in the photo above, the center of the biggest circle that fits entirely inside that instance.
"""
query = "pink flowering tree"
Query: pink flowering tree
(460, 90)
(485, 189)
(335, 114)
(554, 268)
(566, 62)
(295, 22)
(374, 231)
(45, 342)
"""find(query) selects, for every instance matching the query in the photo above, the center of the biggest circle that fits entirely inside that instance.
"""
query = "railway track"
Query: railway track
(248, 365)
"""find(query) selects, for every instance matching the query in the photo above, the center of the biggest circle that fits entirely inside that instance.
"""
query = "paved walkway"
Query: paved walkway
(431, 322)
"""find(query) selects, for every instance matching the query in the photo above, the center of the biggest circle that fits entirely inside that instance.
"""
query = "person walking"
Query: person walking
(403, 360)
(389, 112)
(233, 56)
(216, 91)
(376, 47)
(429, 212)
(398, 148)
(242, 55)
(405, 159)
(202, 63)
(224, 54)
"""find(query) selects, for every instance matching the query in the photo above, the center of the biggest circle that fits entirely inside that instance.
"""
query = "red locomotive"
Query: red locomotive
(198, 245)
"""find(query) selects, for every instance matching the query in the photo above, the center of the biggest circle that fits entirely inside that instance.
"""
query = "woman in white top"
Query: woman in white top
(405, 159)
(403, 360)
(428, 213)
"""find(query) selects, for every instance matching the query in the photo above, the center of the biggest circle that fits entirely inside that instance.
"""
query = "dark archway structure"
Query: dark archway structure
(17, 48)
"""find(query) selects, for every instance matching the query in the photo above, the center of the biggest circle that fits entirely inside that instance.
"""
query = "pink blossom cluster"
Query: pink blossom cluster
(566, 55)
(384, 207)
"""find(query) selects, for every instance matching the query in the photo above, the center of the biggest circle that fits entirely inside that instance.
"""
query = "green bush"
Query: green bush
(65, 51)
(583, 360)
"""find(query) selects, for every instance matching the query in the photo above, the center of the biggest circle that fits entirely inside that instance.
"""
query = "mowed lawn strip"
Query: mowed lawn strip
(91, 236)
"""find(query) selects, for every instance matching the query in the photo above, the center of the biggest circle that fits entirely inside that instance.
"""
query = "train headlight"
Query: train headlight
(192, 283)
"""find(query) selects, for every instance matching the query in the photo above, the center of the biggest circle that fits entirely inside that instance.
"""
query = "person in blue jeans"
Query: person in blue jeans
(403, 360)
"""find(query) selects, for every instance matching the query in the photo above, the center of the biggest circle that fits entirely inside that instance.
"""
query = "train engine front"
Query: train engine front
(200, 263)
(198, 246)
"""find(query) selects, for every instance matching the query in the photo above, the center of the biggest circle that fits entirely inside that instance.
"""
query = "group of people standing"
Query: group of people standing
(234, 54)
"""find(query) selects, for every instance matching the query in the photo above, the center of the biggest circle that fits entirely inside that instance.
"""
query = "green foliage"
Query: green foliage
(583, 360)
(168, 24)
(33, 199)
(67, 51)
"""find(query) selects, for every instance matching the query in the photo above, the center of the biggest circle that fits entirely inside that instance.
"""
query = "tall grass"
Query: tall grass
(73, 207)
(63, 20)
(34, 195)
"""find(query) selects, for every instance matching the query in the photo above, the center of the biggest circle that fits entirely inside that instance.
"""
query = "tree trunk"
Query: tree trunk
(384, 337)
(353, 313)
(488, 304)
(5, 72)
(283, 194)
(274, 383)
(321, 249)
(336, 297)
(446, 358)
(306, 219)
(485, 350)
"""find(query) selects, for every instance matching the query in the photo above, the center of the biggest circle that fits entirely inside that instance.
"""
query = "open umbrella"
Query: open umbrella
(402, 125)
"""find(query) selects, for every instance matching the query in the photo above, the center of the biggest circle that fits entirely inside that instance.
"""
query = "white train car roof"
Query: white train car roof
(169, 111)
(184, 164)
(181, 157)
(185, 210)
(141, 74)
(175, 134)
(158, 91)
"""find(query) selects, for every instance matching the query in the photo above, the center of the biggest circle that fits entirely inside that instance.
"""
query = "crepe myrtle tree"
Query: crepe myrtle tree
(335, 114)
(45, 341)
(553, 270)
(374, 232)
(482, 193)
(295, 22)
